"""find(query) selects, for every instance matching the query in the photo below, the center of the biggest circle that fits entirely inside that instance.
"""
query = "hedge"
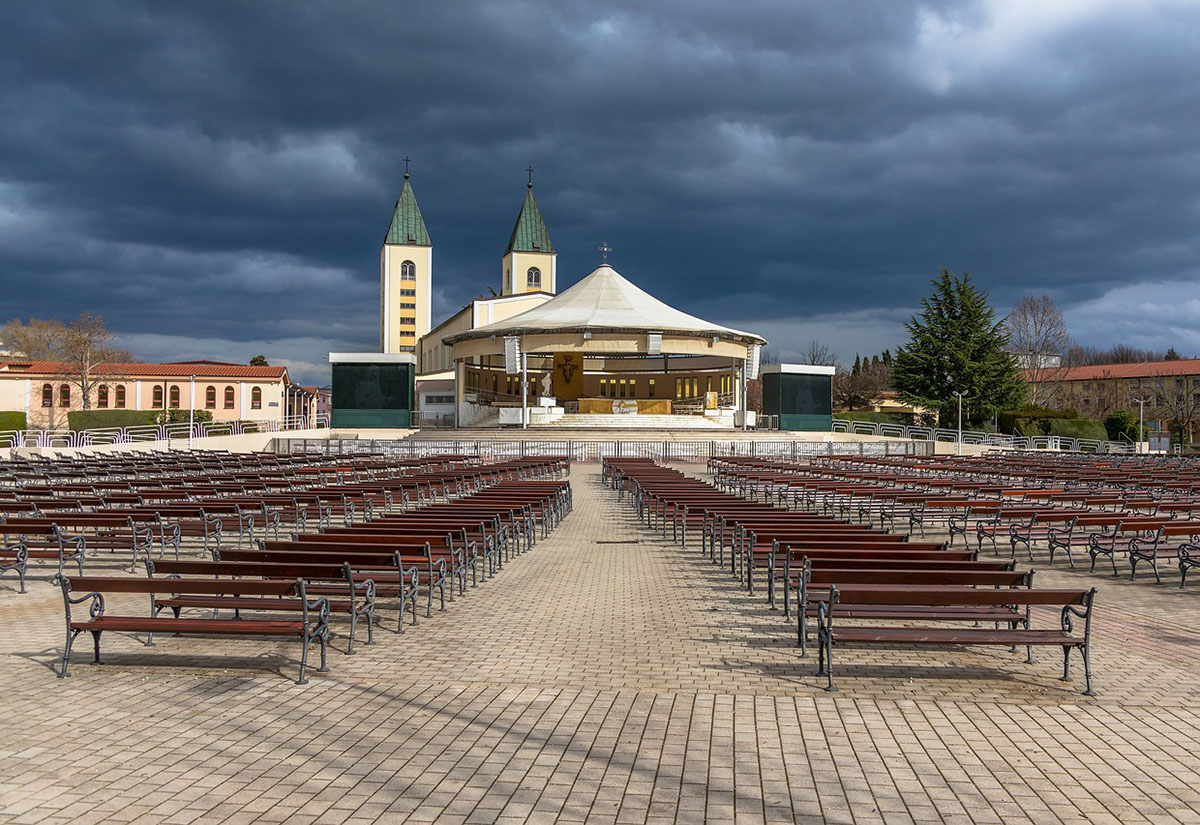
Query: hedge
(879, 417)
(1078, 428)
(94, 419)
(12, 420)
(1031, 420)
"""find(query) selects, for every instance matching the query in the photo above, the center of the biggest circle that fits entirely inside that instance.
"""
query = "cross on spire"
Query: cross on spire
(529, 180)
(407, 161)
(604, 250)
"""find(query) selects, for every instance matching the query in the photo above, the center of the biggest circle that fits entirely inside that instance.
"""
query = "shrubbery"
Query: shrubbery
(880, 417)
(94, 419)
(12, 420)
(1121, 425)
(1078, 428)
(1031, 420)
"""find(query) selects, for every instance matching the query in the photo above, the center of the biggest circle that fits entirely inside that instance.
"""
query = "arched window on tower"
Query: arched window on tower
(47, 395)
(408, 271)
(533, 278)
(64, 395)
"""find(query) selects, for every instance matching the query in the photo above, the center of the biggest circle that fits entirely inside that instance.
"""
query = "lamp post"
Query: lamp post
(191, 409)
(960, 400)
(1141, 402)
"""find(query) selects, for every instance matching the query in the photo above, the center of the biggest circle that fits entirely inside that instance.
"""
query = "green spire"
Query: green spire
(408, 227)
(529, 235)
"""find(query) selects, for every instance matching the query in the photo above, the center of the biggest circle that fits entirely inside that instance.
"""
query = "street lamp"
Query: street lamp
(1141, 402)
(960, 400)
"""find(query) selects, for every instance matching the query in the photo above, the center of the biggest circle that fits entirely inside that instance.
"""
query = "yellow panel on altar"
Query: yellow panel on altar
(595, 406)
(650, 406)
(568, 376)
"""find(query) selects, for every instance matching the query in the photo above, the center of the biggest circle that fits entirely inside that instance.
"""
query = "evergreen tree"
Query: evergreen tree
(857, 365)
(887, 358)
(1172, 355)
(957, 345)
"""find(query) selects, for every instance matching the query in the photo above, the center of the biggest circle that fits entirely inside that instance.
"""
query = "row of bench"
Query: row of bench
(344, 571)
(842, 571)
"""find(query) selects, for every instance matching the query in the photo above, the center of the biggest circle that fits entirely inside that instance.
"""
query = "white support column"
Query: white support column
(524, 388)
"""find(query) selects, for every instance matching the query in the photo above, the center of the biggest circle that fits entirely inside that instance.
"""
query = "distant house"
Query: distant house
(47, 390)
(1169, 392)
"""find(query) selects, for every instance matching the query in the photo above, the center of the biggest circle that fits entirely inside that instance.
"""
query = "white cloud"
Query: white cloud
(1155, 315)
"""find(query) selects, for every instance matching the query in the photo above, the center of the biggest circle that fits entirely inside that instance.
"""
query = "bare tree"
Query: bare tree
(1039, 339)
(1180, 401)
(82, 345)
(818, 354)
(39, 340)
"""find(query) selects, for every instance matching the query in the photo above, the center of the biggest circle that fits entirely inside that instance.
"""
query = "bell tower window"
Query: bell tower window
(533, 278)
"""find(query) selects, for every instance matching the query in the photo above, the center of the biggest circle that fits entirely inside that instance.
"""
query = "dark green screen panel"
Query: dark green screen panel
(802, 402)
(372, 395)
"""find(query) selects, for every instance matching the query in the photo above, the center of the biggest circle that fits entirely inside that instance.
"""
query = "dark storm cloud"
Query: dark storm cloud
(218, 175)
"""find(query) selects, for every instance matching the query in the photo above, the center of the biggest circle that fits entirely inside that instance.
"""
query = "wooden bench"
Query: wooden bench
(1075, 604)
(359, 591)
(812, 578)
(312, 626)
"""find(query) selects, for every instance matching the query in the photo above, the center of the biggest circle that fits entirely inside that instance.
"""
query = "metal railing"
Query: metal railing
(100, 436)
(1015, 442)
(591, 451)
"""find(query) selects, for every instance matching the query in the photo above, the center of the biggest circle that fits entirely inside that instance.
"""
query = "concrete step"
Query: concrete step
(633, 422)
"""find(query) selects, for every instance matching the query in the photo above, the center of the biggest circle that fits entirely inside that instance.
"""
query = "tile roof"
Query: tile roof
(1145, 369)
(179, 370)
(407, 227)
(529, 234)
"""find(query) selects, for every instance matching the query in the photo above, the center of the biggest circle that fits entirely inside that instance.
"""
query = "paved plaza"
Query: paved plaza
(606, 676)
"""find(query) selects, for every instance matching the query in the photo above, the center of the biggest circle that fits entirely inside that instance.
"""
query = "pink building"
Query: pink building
(47, 390)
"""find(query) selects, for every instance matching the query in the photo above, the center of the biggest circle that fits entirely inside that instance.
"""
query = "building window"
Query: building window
(210, 398)
(229, 398)
(408, 306)
(408, 349)
(174, 395)
(256, 398)
(158, 397)
(408, 271)
(633, 388)
(47, 395)
(102, 396)
(408, 321)
(507, 280)
(533, 277)
(120, 398)
(408, 293)
(651, 387)
(64, 395)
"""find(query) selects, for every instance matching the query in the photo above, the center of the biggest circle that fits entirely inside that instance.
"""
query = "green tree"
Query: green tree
(956, 344)
(1172, 355)
(259, 361)
(1121, 425)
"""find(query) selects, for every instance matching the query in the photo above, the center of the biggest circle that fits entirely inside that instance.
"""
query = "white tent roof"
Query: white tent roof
(604, 301)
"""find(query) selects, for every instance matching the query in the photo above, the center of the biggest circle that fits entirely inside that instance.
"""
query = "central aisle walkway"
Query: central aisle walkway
(606, 676)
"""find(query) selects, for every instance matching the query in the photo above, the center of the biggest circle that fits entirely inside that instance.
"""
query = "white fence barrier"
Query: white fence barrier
(154, 432)
(1038, 442)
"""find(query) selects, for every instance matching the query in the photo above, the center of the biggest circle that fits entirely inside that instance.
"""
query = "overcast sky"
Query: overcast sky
(216, 177)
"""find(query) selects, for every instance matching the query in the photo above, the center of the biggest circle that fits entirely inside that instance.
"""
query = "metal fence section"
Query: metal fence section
(1015, 442)
(595, 451)
(101, 436)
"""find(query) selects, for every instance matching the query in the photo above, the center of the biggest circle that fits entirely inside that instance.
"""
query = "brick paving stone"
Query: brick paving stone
(623, 681)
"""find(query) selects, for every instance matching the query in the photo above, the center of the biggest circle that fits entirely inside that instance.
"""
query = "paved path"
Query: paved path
(607, 676)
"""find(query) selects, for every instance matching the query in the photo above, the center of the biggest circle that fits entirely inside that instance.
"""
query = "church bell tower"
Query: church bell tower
(530, 263)
(405, 276)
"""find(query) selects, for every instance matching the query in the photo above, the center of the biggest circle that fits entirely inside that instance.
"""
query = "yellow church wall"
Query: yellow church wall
(395, 336)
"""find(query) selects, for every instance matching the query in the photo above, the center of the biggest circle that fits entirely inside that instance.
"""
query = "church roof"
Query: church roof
(529, 234)
(407, 227)
(604, 301)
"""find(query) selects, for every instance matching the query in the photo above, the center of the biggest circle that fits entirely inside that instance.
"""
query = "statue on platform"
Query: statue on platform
(547, 384)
